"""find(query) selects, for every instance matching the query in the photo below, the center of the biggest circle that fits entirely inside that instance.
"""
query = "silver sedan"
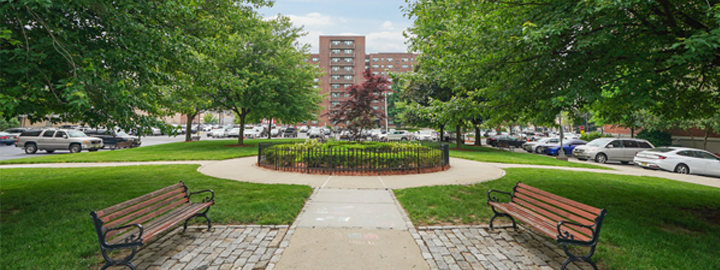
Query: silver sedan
(680, 160)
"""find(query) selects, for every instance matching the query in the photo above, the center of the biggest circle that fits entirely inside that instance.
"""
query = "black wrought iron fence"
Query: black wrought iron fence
(286, 156)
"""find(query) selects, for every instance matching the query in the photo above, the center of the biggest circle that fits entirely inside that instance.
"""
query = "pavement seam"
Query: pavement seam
(326, 181)
(382, 182)
(277, 256)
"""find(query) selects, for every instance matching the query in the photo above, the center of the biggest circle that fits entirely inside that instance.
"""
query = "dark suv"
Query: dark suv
(114, 138)
(290, 132)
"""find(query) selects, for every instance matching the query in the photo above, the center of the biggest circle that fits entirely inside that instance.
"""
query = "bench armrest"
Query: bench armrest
(207, 199)
(130, 241)
(567, 238)
(492, 198)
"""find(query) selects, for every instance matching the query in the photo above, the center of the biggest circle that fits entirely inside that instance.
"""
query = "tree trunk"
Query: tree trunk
(632, 132)
(269, 130)
(458, 137)
(692, 138)
(442, 130)
(242, 114)
(478, 142)
(188, 127)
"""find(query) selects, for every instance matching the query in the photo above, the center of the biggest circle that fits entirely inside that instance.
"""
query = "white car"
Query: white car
(234, 133)
(424, 135)
(680, 160)
(251, 133)
(537, 146)
(602, 150)
(218, 133)
(304, 129)
(397, 135)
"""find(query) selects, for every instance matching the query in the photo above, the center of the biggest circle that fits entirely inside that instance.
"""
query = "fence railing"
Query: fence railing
(347, 161)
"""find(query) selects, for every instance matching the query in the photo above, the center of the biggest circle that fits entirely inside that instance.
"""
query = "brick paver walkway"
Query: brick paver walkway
(478, 247)
(226, 247)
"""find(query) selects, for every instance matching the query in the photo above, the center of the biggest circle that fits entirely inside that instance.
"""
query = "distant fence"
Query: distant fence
(280, 156)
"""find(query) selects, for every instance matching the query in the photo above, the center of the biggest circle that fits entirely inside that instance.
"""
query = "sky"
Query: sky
(381, 22)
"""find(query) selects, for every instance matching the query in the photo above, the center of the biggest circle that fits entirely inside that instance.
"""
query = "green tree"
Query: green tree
(208, 118)
(357, 112)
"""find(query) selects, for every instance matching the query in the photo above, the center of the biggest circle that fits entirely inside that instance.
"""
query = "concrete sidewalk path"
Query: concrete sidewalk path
(461, 172)
(352, 229)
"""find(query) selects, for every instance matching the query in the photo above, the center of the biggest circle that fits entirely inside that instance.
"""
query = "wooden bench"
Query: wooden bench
(129, 225)
(567, 221)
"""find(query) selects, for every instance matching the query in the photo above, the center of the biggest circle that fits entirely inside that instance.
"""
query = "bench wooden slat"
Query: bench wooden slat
(165, 198)
(585, 207)
(559, 205)
(125, 204)
(552, 219)
(551, 211)
(160, 224)
(546, 226)
(150, 209)
(147, 217)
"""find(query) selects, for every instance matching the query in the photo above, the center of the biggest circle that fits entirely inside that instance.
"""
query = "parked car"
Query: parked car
(567, 147)
(275, 132)
(424, 135)
(7, 138)
(16, 131)
(316, 133)
(397, 135)
(304, 129)
(156, 131)
(511, 140)
(57, 139)
(680, 160)
(290, 132)
(345, 135)
(606, 149)
(218, 133)
(537, 146)
(234, 133)
(251, 133)
(114, 138)
(327, 131)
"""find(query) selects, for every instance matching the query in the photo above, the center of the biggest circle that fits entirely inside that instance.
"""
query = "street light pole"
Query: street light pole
(386, 113)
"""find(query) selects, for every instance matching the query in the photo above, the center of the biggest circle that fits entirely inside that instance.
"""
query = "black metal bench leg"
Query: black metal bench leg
(125, 261)
(498, 214)
(574, 258)
(203, 214)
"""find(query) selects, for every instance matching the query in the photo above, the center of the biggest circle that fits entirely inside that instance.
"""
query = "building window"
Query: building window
(315, 59)
(382, 66)
(335, 103)
(335, 42)
(335, 51)
(375, 101)
(347, 85)
(390, 66)
(375, 73)
(316, 80)
(404, 59)
(390, 59)
(314, 122)
(347, 95)
(348, 68)
(382, 59)
(382, 73)
(336, 94)
(367, 60)
(412, 59)
(367, 67)
(348, 42)
(335, 86)
(335, 59)
(335, 68)
(335, 77)
(348, 51)
(375, 66)
(405, 66)
(348, 59)
(375, 107)
(375, 59)
(348, 77)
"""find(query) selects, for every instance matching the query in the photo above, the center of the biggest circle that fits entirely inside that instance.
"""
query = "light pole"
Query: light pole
(386, 113)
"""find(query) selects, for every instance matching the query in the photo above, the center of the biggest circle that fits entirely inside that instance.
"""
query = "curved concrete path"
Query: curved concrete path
(462, 171)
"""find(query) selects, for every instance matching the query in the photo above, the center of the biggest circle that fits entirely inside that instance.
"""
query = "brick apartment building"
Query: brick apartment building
(343, 58)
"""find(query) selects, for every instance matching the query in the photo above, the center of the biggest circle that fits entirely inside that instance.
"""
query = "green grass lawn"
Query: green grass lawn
(45, 213)
(199, 150)
(652, 223)
(487, 154)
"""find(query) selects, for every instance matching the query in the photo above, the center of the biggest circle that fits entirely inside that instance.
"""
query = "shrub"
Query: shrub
(593, 135)
(656, 137)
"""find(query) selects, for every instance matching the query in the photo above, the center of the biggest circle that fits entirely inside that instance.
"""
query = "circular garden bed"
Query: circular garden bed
(354, 158)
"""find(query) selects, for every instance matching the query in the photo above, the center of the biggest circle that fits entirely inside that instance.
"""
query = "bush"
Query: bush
(593, 135)
(349, 155)
(656, 137)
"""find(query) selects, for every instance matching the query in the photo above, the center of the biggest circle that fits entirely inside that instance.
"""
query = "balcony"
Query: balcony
(342, 54)
(341, 80)
(342, 72)
(342, 46)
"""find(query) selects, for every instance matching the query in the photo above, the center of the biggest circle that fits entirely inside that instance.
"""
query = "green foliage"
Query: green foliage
(342, 154)
(45, 221)
(12, 123)
(656, 137)
(209, 119)
(593, 135)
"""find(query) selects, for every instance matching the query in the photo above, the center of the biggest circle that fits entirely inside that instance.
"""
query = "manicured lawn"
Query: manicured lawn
(45, 221)
(200, 150)
(652, 223)
(487, 154)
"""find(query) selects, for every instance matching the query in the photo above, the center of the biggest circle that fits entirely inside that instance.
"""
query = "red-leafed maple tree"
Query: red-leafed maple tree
(357, 111)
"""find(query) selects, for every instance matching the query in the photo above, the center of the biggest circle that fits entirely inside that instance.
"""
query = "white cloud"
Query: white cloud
(388, 25)
(385, 41)
(314, 20)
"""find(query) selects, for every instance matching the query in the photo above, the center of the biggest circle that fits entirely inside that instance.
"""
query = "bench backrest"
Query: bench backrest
(556, 209)
(139, 210)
